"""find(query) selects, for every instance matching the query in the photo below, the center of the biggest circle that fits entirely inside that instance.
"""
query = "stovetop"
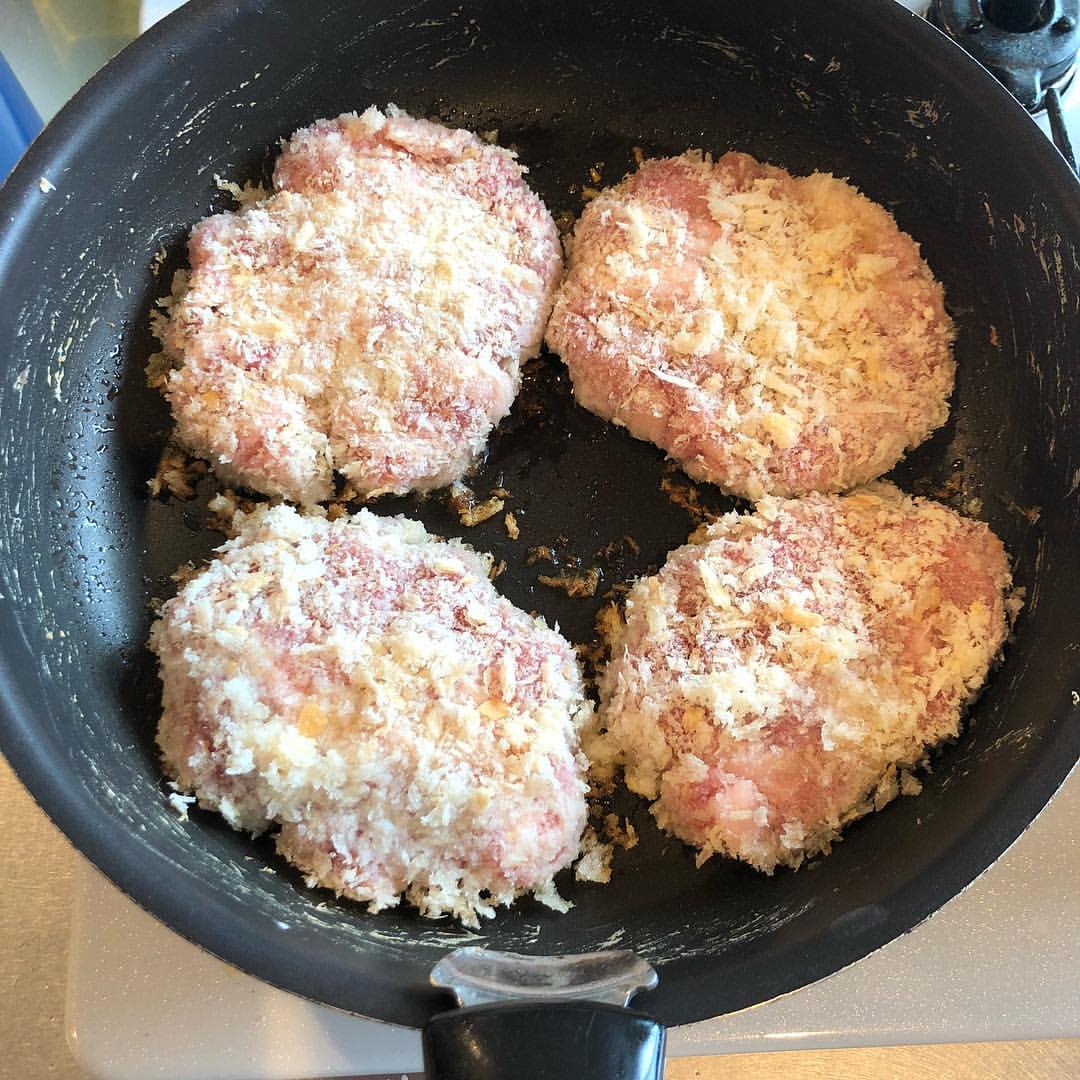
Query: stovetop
(997, 962)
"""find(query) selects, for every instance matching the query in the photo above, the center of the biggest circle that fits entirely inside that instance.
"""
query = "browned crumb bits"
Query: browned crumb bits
(573, 584)
(469, 511)
(177, 474)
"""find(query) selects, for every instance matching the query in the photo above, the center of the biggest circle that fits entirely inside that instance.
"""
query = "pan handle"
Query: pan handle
(554, 1041)
(543, 1018)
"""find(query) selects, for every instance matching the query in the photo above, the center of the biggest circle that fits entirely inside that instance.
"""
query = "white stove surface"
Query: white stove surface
(997, 962)
(1000, 961)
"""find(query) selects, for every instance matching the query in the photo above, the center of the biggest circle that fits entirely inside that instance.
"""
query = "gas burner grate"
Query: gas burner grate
(1030, 46)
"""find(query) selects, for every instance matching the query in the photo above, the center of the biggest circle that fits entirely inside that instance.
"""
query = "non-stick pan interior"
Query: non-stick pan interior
(860, 89)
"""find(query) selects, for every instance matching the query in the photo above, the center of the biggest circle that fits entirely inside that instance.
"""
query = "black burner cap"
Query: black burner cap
(1029, 45)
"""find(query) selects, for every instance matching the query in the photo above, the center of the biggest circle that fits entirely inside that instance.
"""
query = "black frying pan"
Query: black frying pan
(860, 88)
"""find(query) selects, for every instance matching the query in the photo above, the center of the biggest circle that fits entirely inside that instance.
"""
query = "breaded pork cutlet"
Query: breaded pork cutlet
(369, 318)
(770, 680)
(360, 687)
(776, 335)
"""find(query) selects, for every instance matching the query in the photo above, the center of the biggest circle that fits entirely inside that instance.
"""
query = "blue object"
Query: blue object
(19, 121)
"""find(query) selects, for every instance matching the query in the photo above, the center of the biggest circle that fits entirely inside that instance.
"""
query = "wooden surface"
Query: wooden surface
(973, 1061)
(35, 906)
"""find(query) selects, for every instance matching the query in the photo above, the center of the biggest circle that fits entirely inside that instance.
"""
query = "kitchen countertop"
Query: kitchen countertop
(36, 868)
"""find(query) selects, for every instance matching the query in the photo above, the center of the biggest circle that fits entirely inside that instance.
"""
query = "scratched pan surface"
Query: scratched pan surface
(855, 87)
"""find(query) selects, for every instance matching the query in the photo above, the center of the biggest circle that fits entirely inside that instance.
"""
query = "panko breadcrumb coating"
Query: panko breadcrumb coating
(361, 685)
(774, 334)
(769, 680)
(370, 317)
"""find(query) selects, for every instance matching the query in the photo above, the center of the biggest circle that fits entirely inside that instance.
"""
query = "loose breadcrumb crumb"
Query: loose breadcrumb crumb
(185, 572)
(574, 585)
(595, 862)
(179, 802)
(621, 834)
(910, 784)
(614, 548)
(245, 196)
(469, 511)
(223, 509)
(177, 474)
(598, 847)
(684, 493)
(157, 370)
(157, 261)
